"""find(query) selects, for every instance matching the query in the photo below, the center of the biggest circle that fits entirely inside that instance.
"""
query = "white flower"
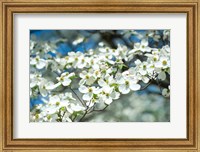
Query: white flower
(50, 118)
(67, 96)
(152, 58)
(155, 51)
(76, 107)
(141, 47)
(163, 63)
(35, 79)
(141, 67)
(36, 117)
(127, 84)
(166, 92)
(38, 62)
(122, 52)
(66, 118)
(74, 58)
(108, 94)
(65, 78)
(61, 62)
(78, 40)
(101, 44)
(93, 63)
(108, 80)
(45, 86)
(106, 58)
(104, 49)
(96, 73)
(87, 78)
(82, 62)
(58, 102)
(88, 92)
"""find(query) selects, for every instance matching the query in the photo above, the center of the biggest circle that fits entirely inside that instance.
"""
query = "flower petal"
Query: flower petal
(50, 85)
(108, 100)
(124, 89)
(33, 61)
(145, 79)
(54, 99)
(83, 89)
(90, 81)
(41, 64)
(134, 86)
(43, 92)
(66, 81)
(101, 82)
(115, 95)
(162, 76)
(87, 96)
(83, 74)
(144, 42)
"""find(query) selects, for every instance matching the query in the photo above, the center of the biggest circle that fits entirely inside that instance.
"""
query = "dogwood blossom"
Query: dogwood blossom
(126, 84)
(38, 62)
(143, 47)
(89, 92)
(108, 94)
(65, 78)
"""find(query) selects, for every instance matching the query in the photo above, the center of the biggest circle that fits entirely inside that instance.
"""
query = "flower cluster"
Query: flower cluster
(71, 86)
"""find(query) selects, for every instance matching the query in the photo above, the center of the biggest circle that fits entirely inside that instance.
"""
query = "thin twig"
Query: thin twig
(145, 86)
(98, 110)
(86, 112)
(84, 115)
(74, 118)
(77, 97)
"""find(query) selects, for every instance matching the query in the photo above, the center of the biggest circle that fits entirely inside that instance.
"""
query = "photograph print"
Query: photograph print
(100, 75)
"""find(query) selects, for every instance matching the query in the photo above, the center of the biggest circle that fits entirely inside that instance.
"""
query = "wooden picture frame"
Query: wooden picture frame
(190, 7)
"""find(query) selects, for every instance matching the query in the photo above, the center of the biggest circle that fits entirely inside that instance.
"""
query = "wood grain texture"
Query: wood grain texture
(1, 79)
(198, 78)
(191, 7)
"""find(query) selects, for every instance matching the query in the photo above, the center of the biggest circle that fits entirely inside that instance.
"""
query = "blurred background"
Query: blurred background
(142, 106)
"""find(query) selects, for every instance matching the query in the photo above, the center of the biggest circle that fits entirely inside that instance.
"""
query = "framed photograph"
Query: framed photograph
(92, 76)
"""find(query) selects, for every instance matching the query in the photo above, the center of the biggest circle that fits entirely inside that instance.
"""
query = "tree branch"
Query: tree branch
(77, 97)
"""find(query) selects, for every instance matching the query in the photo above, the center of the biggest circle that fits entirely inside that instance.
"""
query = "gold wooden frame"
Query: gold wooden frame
(190, 7)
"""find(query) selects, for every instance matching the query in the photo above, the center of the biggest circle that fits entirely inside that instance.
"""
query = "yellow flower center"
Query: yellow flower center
(87, 77)
(57, 103)
(62, 78)
(164, 62)
(36, 116)
(97, 72)
(90, 90)
(48, 117)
